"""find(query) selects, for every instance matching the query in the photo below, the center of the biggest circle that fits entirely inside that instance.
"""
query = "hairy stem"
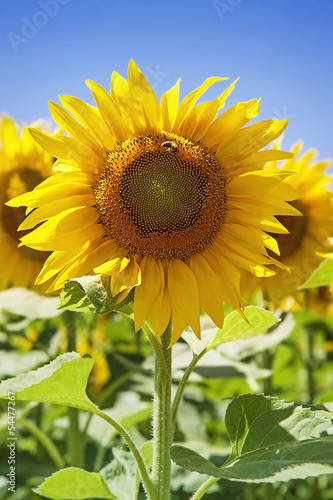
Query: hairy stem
(204, 488)
(181, 387)
(162, 417)
(146, 480)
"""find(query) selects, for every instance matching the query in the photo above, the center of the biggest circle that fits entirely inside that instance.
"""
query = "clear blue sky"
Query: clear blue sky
(280, 49)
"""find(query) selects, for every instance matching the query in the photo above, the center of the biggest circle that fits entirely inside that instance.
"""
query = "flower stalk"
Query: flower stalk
(162, 415)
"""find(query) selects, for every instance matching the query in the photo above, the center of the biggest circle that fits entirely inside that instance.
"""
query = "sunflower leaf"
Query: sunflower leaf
(92, 293)
(271, 441)
(321, 276)
(234, 328)
(62, 382)
(74, 484)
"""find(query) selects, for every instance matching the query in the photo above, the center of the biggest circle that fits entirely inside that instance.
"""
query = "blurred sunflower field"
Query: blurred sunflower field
(166, 319)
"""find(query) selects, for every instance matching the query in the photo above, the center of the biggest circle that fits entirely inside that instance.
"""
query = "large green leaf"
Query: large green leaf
(321, 276)
(250, 346)
(234, 328)
(92, 293)
(271, 441)
(62, 382)
(74, 484)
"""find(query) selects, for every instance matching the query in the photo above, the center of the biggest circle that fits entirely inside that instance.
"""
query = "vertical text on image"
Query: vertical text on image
(11, 475)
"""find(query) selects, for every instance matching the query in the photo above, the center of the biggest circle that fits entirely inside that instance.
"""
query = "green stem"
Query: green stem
(155, 344)
(38, 423)
(182, 385)
(109, 391)
(42, 438)
(310, 363)
(204, 488)
(75, 443)
(162, 423)
(147, 482)
(70, 324)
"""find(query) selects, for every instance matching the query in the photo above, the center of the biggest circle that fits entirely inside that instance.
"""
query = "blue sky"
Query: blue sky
(280, 49)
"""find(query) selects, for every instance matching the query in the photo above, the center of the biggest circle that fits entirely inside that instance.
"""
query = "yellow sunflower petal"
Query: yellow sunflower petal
(184, 294)
(114, 116)
(113, 266)
(210, 289)
(189, 101)
(120, 93)
(230, 122)
(250, 140)
(160, 311)
(41, 214)
(169, 106)
(68, 123)
(90, 117)
(61, 231)
(144, 96)
(127, 278)
(84, 262)
(66, 148)
(146, 294)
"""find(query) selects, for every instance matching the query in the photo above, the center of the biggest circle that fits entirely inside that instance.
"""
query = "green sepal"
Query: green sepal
(93, 293)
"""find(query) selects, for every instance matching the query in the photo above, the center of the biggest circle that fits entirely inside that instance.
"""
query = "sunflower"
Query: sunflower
(170, 200)
(308, 235)
(23, 165)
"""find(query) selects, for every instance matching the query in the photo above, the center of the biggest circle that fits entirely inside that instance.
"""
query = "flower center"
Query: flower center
(19, 181)
(161, 195)
(290, 243)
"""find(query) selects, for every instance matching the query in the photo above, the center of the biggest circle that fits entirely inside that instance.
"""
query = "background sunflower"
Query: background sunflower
(308, 235)
(23, 165)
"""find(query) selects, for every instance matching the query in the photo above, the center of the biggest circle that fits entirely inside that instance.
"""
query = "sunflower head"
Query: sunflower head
(307, 236)
(168, 199)
(23, 165)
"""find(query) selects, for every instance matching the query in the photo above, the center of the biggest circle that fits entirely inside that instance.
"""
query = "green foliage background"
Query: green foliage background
(292, 362)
